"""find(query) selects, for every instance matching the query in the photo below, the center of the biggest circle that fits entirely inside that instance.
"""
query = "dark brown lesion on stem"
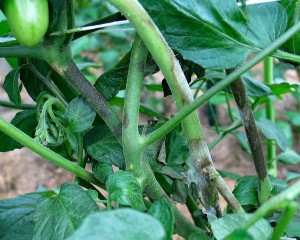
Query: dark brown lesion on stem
(89, 92)
(242, 101)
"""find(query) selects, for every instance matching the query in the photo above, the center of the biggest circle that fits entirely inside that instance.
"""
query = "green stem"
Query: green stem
(23, 52)
(48, 154)
(194, 210)
(214, 117)
(280, 201)
(71, 72)
(224, 190)
(174, 121)
(131, 137)
(229, 107)
(244, 106)
(286, 56)
(47, 83)
(81, 161)
(270, 113)
(232, 127)
(23, 106)
(284, 220)
(170, 67)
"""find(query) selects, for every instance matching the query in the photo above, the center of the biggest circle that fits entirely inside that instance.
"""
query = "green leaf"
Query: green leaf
(101, 170)
(292, 9)
(4, 28)
(31, 82)
(12, 87)
(177, 151)
(103, 146)
(125, 224)
(272, 131)
(288, 132)
(123, 188)
(35, 86)
(289, 157)
(16, 217)
(58, 217)
(223, 227)
(239, 234)
(278, 183)
(246, 191)
(215, 34)
(279, 89)
(294, 118)
(180, 191)
(243, 140)
(163, 212)
(153, 87)
(114, 80)
(143, 108)
(80, 115)
(255, 88)
(290, 176)
(25, 121)
(110, 82)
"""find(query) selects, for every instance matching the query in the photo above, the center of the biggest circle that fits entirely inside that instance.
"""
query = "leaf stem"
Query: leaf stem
(280, 201)
(174, 121)
(284, 220)
(23, 52)
(23, 106)
(48, 84)
(48, 154)
(270, 114)
(244, 106)
(229, 107)
(232, 127)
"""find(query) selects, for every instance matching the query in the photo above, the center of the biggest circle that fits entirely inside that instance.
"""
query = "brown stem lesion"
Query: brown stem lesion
(71, 72)
(244, 106)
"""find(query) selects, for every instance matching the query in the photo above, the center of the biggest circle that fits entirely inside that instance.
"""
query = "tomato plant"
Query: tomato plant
(28, 20)
(146, 167)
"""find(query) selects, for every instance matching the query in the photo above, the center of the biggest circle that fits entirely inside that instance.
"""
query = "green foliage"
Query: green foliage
(163, 212)
(104, 147)
(79, 115)
(26, 122)
(124, 224)
(12, 87)
(123, 188)
(16, 217)
(231, 225)
(59, 216)
(209, 39)
(216, 34)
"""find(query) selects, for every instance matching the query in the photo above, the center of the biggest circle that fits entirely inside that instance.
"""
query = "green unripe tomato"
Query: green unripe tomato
(27, 19)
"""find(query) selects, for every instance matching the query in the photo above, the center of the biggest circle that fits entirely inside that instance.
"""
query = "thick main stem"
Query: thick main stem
(173, 73)
(270, 114)
(244, 106)
(132, 140)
